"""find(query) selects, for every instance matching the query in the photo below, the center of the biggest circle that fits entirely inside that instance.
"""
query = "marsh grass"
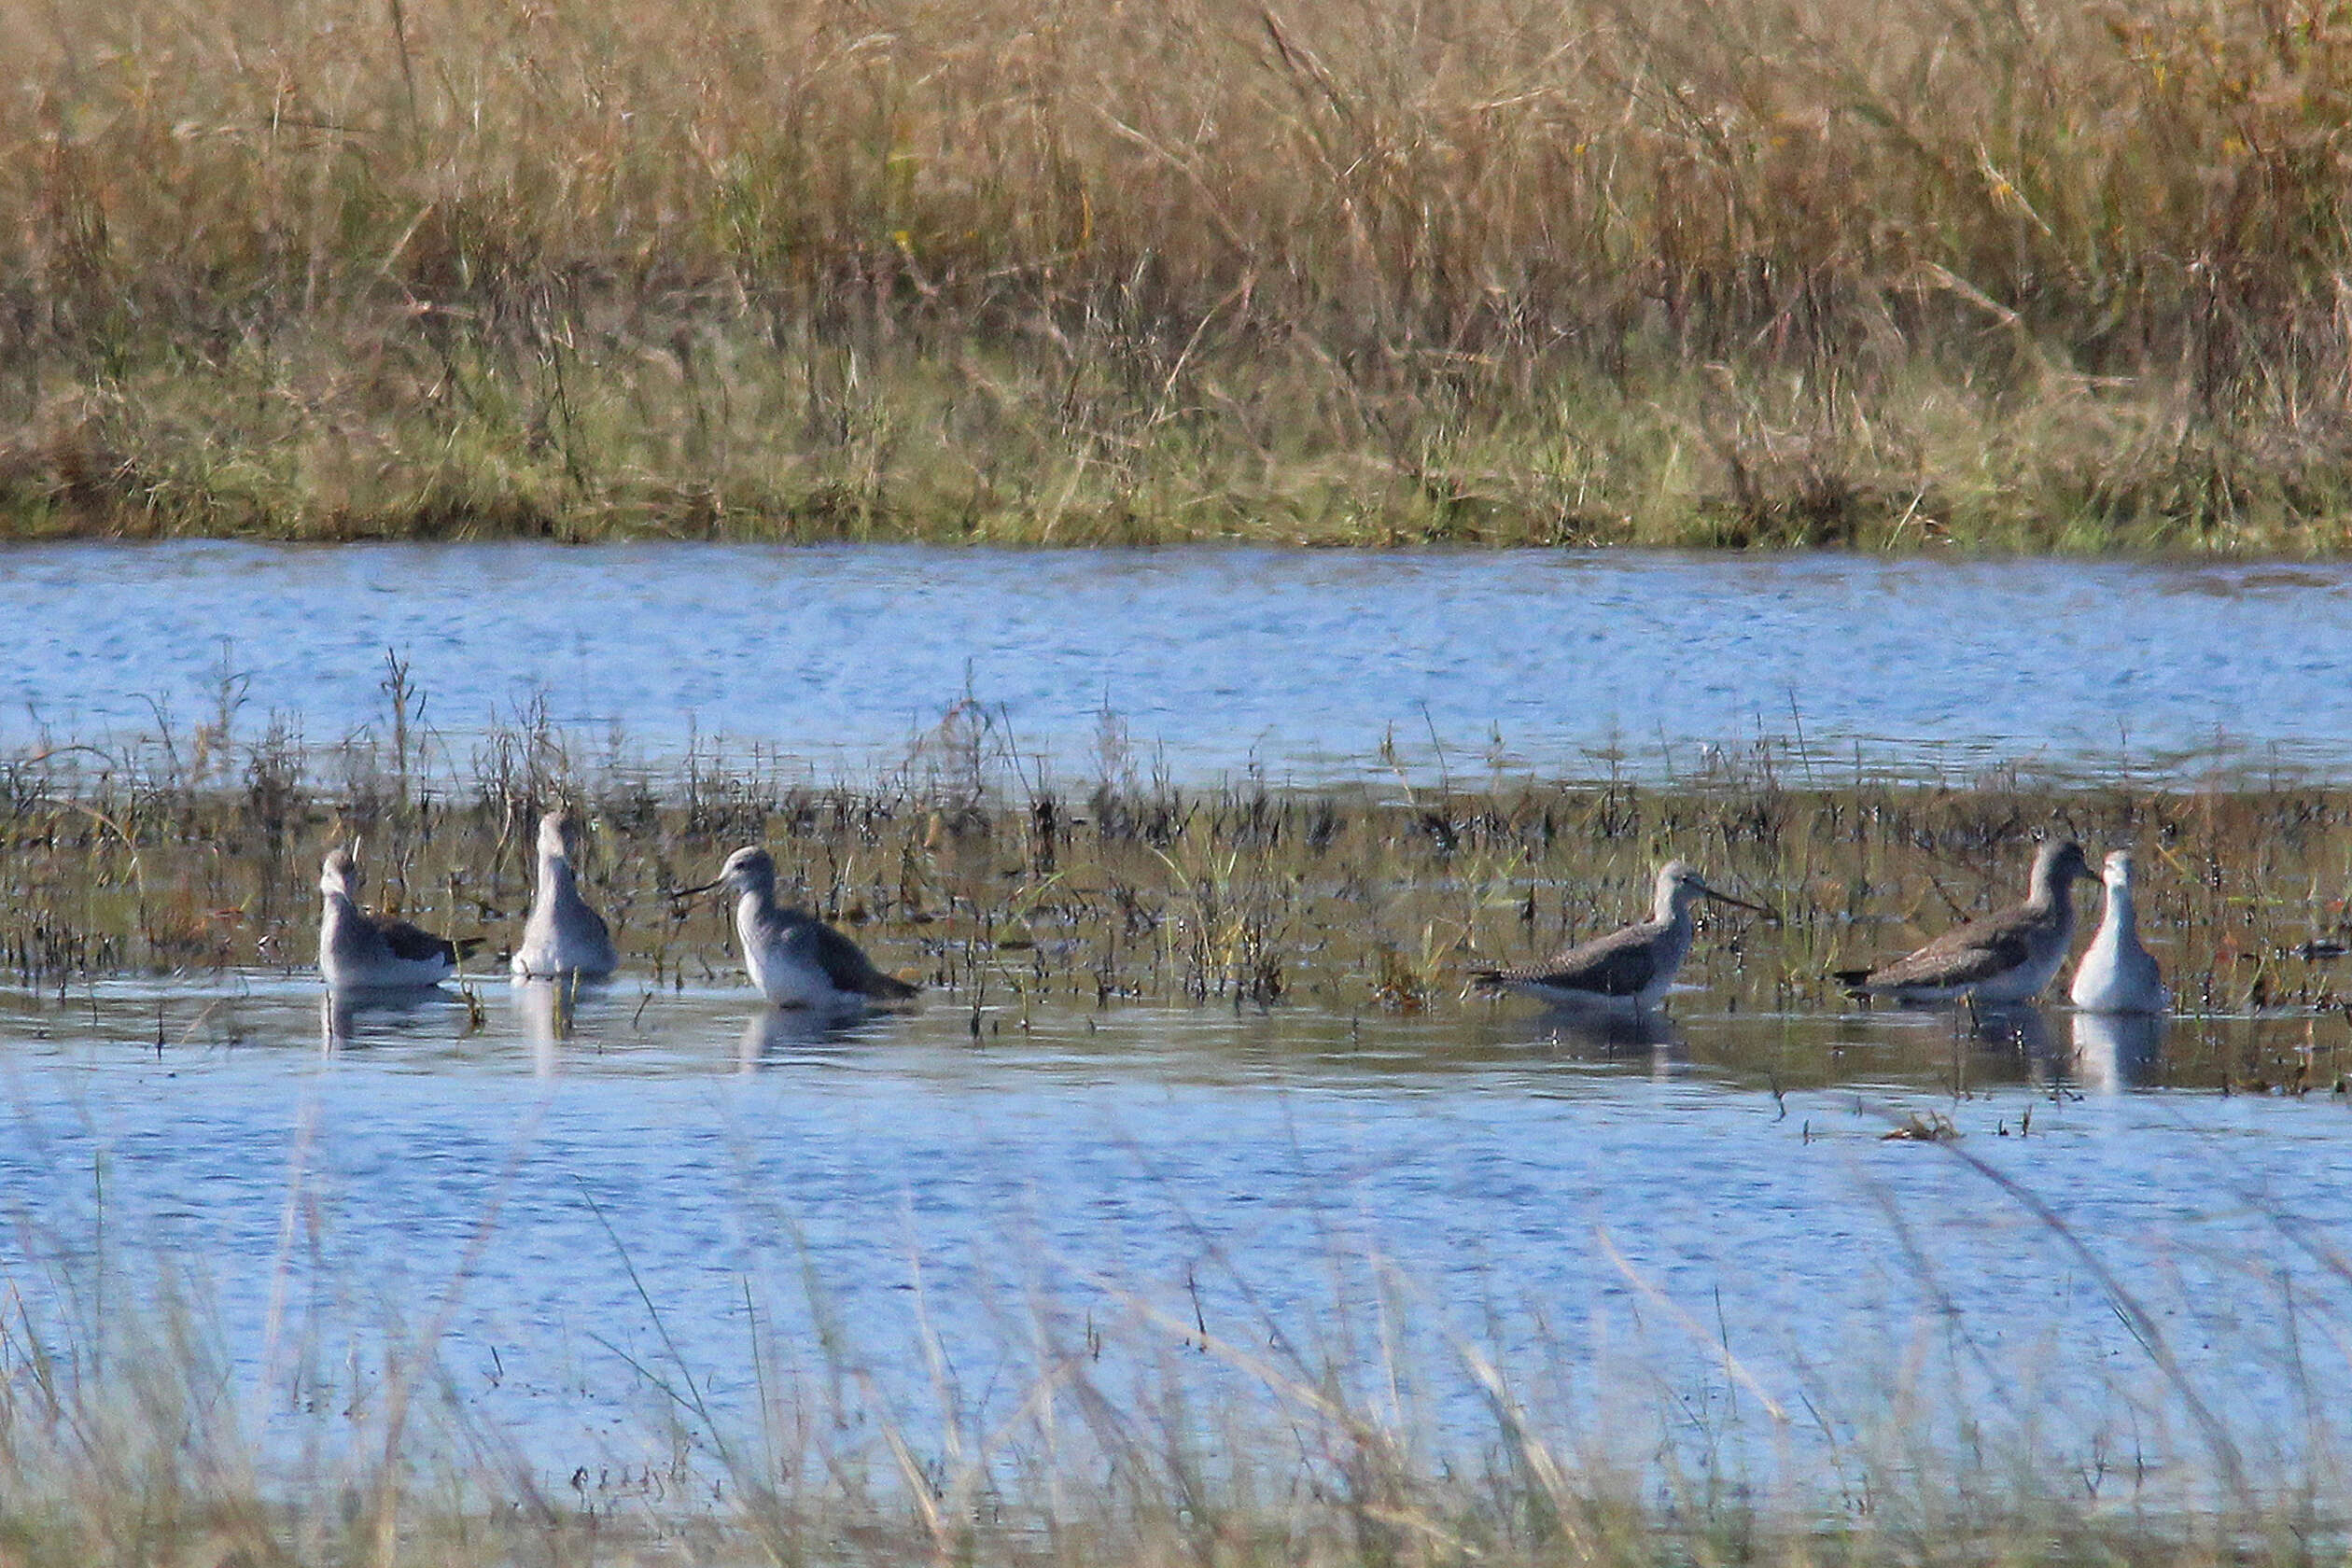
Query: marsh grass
(966, 868)
(1770, 272)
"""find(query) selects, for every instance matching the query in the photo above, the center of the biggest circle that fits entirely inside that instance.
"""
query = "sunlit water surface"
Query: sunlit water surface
(1692, 1248)
(1216, 660)
(1653, 1233)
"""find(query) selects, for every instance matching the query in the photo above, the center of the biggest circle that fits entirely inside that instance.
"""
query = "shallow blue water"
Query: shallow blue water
(592, 1219)
(1657, 1247)
(1216, 660)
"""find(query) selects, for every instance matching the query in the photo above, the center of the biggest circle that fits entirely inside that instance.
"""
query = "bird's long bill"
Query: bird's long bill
(682, 894)
(1727, 898)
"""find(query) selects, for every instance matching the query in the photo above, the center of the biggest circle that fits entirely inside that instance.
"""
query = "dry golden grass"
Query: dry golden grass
(1707, 271)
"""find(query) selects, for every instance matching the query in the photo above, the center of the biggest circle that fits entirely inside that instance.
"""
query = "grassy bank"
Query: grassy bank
(1755, 272)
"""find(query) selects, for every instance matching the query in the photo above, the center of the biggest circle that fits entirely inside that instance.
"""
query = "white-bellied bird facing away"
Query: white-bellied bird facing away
(2007, 956)
(562, 936)
(2116, 974)
(362, 952)
(1628, 968)
(793, 957)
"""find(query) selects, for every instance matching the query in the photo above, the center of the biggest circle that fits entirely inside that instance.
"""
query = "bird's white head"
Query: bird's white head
(2057, 863)
(1680, 886)
(750, 870)
(2117, 874)
(558, 834)
(339, 873)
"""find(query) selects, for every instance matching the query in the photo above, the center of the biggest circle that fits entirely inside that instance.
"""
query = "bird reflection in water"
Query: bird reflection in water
(2118, 1051)
(551, 1010)
(2019, 1027)
(1610, 1032)
(343, 1013)
(773, 1035)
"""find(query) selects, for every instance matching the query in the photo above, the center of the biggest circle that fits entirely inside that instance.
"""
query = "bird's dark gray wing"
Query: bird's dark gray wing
(848, 968)
(595, 922)
(1963, 956)
(1619, 964)
(411, 943)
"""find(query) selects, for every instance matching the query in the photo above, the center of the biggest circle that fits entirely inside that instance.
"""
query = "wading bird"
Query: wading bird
(2116, 974)
(2007, 956)
(1628, 968)
(563, 938)
(793, 957)
(359, 951)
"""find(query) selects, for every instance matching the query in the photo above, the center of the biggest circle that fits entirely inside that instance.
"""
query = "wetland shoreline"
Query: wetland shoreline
(964, 868)
(1895, 276)
(1173, 1420)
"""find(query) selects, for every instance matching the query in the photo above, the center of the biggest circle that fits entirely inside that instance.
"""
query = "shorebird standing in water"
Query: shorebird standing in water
(793, 957)
(2116, 974)
(2007, 956)
(1629, 968)
(563, 938)
(362, 952)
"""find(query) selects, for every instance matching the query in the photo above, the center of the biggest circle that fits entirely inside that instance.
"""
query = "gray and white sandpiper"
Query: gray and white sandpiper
(1629, 968)
(2116, 974)
(2004, 957)
(563, 938)
(793, 957)
(360, 952)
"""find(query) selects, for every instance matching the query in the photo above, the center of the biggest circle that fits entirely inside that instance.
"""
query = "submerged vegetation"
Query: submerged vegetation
(1713, 271)
(965, 868)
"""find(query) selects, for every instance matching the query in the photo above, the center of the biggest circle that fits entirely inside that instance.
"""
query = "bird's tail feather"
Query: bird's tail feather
(889, 987)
